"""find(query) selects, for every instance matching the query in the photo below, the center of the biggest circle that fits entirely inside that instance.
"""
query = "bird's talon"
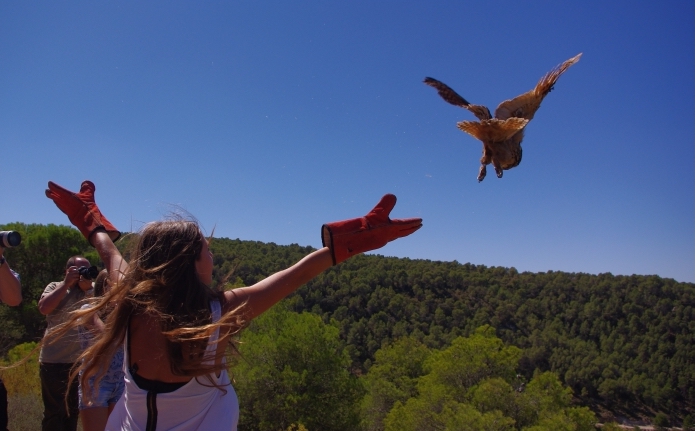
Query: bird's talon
(482, 173)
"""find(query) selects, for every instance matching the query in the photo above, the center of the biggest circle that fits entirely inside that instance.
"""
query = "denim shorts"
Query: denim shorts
(109, 393)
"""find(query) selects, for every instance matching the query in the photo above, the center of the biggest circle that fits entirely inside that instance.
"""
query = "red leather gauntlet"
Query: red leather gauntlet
(81, 209)
(347, 238)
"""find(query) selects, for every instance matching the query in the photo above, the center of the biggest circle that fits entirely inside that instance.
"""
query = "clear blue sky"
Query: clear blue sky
(267, 119)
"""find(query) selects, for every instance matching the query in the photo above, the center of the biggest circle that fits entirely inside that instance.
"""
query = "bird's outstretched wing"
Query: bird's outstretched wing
(446, 92)
(526, 105)
(450, 96)
(493, 130)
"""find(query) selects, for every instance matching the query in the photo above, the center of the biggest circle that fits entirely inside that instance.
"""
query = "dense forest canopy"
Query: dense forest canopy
(625, 343)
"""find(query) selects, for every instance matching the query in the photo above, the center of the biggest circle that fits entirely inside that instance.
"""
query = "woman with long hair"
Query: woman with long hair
(174, 328)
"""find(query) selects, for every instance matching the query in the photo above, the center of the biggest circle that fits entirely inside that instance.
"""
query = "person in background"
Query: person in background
(175, 329)
(94, 413)
(58, 356)
(10, 294)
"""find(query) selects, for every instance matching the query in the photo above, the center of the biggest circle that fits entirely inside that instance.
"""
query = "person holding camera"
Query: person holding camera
(10, 294)
(58, 356)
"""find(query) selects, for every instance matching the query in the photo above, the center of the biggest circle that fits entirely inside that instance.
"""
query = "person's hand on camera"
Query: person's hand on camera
(347, 238)
(81, 209)
(72, 276)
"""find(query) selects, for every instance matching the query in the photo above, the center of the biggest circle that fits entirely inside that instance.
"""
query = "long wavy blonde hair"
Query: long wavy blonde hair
(161, 281)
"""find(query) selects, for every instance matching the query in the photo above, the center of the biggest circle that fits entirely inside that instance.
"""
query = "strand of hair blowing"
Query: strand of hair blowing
(161, 282)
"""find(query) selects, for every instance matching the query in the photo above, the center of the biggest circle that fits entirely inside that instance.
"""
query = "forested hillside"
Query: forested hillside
(624, 343)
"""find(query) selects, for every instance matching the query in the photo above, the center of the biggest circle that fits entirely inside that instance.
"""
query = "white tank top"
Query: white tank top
(194, 406)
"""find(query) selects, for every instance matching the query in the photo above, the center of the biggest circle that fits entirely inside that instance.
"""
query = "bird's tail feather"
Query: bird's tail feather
(493, 130)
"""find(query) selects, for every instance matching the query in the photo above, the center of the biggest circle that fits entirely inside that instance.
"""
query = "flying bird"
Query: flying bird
(502, 135)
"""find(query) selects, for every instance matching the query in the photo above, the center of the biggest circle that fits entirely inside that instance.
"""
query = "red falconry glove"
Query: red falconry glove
(81, 209)
(347, 238)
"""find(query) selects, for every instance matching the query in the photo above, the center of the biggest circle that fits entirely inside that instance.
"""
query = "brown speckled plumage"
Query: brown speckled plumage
(502, 135)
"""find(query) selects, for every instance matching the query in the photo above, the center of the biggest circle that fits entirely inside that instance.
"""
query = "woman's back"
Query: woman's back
(202, 403)
(148, 350)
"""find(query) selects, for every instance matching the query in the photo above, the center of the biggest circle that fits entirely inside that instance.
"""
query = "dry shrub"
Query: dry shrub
(22, 379)
(24, 406)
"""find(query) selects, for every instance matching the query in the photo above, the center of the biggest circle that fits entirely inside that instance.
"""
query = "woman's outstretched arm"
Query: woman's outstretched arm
(266, 293)
(341, 240)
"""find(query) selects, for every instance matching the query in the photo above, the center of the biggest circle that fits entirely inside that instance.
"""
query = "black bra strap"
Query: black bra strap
(154, 385)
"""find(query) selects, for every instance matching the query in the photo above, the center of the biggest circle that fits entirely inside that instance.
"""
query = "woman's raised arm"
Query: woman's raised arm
(110, 255)
(86, 216)
(341, 240)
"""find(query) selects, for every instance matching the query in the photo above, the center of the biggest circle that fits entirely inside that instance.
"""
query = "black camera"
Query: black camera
(10, 238)
(88, 273)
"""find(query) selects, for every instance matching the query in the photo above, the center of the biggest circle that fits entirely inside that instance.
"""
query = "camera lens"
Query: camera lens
(10, 238)
(89, 273)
